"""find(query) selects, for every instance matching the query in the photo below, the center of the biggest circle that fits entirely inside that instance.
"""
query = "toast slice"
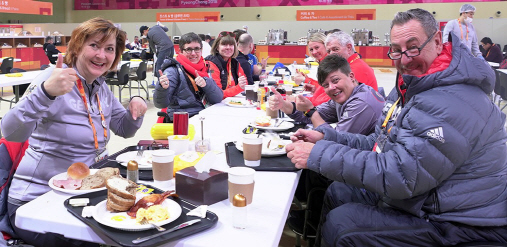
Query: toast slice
(122, 187)
(92, 182)
(118, 203)
(107, 172)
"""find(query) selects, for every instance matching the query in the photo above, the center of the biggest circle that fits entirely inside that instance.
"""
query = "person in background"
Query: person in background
(209, 40)
(136, 45)
(434, 172)
(160, 44)
(224, 67)
(255, 67)
(332, 31)
(206, 48)
(50, 49)
(492, 52)
(245, 46)
(185, 84)
(463, 29)
(342, 44)
(317, 48)
(68, 119)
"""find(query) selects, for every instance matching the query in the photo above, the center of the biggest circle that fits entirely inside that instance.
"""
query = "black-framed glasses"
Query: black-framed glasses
(225, 33)
(412, 52)
(190, 50)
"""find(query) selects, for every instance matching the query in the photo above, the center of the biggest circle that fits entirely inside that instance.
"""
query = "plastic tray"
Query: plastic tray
(124, 238)
(277, 163)
(143, 174)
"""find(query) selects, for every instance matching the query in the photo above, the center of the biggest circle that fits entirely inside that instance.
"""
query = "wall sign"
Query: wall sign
(26, 7)
(336, 14)
(188, 17)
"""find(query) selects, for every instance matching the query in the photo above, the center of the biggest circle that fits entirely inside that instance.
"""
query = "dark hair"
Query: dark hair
(142, 28)
(332, 31)
(486, 40)
(92, 27)
(207, 37)
(48, 38)
(424, 17)
(238, 32)
(330, 64)
(189, 38)
(202, 36)
(224, 40)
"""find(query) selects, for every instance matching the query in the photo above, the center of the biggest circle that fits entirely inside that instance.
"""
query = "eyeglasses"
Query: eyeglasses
(190, 50)
(412, 52)
(225, 33)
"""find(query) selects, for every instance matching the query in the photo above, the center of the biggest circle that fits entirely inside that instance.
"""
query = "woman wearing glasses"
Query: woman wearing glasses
(190, 87)
(225, 69)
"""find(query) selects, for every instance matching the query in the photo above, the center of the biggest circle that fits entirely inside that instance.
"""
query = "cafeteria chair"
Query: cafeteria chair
(303, 223)
(44, 66)
(121, 80)
(504, 48)
(498, 88)
(5, 67)
(22, 87)
(126, 56)
(140, 76)
(502, 79)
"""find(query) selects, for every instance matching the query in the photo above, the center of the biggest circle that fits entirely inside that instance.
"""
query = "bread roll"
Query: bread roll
(78, 170)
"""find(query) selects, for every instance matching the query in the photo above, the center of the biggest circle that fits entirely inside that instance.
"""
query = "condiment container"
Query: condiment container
(239, 212)
(132, 171)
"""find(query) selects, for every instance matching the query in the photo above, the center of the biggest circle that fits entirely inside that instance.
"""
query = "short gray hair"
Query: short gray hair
(245, 40)
(424, 17)
(342, 37)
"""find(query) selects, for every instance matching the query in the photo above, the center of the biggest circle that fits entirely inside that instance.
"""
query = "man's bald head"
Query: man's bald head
(245, 42)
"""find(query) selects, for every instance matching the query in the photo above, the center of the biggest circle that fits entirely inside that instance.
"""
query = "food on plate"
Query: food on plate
(121, 194)
(78, 170)
(148, 201)
(92, 182)
(107, 172)
(155, 213)
(275, 144)
(263, 121)
(68, 184)
(234, 102)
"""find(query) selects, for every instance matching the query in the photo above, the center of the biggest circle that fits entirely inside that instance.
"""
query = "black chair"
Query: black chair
(121, 80)
(140, 76)
(502, 90)
(126, 56)
(44, 66)
(7, 65)
(304, 223)
(22, 87)
(143, 56)
(504, 48)
(498, 88)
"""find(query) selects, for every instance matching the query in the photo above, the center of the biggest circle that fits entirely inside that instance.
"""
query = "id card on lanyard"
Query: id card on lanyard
(100, 153)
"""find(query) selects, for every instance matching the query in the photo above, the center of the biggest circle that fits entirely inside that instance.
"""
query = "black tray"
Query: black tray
(124, 238)
(277, 163)
(146, 175)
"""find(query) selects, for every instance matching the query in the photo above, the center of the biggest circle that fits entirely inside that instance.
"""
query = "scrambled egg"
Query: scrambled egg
(155, 213)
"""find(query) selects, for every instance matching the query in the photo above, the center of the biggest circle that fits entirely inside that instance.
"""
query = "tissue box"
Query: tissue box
(202, 188)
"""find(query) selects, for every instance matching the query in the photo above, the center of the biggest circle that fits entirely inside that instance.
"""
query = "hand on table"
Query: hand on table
(163, 80)
(307, 136)
(137, 107)
(303, 104)
(299, 152)
(61, 80)
(242, 81)
(199, 81)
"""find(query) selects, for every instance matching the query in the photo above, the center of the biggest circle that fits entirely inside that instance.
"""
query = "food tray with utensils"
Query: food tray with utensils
(112, 162)
(276, 163)
(125, 238)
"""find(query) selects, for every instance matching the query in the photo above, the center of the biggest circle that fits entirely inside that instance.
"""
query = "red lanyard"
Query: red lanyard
(230, 78)
(83, 96)
(461, 30)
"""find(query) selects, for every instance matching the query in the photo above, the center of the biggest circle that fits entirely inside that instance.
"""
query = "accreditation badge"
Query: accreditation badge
(101, 155)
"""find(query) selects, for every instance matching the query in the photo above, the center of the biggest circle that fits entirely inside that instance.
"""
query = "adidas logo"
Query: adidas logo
(436, 133)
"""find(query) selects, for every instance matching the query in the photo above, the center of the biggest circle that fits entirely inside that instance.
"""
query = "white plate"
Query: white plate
(63, 176)
(265, 151)
(283, 126)
(104, 217)
(245, 103)
(143, 163)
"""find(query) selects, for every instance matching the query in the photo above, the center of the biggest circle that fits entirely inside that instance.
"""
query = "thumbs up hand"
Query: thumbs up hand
(164, 81)
(61, 80)
(199, 80)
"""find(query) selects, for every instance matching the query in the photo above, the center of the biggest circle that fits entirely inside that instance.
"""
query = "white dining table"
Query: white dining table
(273, 194)
(15, 60)
(26, 77)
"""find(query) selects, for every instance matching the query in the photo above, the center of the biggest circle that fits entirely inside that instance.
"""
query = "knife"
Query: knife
(182, 225)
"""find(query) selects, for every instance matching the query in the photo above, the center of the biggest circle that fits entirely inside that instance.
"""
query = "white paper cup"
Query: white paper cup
(178, 143)
(241, 181)
(162, 167)
(252, 150)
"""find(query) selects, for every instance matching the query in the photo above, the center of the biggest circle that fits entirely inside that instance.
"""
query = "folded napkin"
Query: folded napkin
(88, 211)
(199, 211)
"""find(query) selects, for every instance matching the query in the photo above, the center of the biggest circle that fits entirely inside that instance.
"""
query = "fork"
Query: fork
(140, 153)
(145, 221)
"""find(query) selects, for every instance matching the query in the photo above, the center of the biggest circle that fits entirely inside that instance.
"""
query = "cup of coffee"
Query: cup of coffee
(162, 166)
(288, 89)
(180, 123)
(241, 181)
(252, 149)
(251, 93)
(272, 113)
(178, 143)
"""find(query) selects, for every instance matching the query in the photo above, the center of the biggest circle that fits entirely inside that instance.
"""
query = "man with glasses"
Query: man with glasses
(434, 173)
(342, 44)
(185, 83)
(463, 28)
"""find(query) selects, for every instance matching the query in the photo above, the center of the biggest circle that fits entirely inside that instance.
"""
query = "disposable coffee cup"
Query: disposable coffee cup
(241, 181)
(162, 162)
(178, 143)
(250, 93)
(288, 89)
(252, 149)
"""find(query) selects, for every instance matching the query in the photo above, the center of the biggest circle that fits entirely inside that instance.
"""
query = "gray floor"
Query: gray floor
(385, 78)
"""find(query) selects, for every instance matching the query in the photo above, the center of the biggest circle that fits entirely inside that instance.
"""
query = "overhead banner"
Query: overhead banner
(188, 17)
(336, 15)
(26, 7)
(171, 4)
